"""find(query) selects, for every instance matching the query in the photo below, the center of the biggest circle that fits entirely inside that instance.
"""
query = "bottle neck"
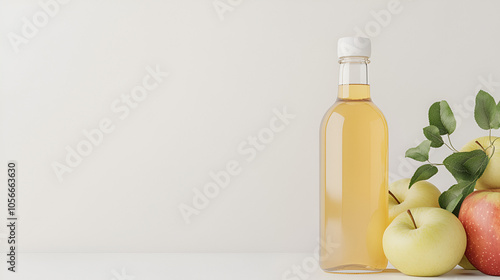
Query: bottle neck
(353, 78)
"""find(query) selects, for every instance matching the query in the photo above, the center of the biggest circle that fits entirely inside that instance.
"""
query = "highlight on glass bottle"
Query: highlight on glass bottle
(354, 170)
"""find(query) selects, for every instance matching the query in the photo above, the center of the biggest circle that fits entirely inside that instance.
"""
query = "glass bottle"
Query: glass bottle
(354, 170)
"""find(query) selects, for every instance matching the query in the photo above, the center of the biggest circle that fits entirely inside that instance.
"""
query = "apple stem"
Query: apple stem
(477, 142)
(393, 196)
(411, 216)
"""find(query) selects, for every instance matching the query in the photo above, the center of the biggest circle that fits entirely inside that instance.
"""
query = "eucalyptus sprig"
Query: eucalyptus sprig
(465, 167)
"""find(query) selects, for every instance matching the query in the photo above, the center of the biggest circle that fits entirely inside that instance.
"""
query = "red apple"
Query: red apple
(480, 215)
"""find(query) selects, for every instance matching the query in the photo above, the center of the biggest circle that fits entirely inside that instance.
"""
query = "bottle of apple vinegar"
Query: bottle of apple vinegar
(354, 170)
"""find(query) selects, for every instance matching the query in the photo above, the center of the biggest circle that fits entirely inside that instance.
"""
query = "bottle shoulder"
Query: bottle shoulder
(354, 110)
(344, 107)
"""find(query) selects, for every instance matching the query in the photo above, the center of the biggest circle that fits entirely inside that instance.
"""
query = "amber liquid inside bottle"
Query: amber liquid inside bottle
(354, 174)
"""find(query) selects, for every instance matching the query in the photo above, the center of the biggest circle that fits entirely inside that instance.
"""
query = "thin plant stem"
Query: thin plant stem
(393, 196)
(492, 143)
(449, 140)
(411, 216)
(451, 149)
(477, 142)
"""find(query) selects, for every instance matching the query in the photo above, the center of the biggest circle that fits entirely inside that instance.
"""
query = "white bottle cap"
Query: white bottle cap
(354, 46)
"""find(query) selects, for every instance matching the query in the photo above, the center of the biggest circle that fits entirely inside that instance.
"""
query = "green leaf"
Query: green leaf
(441, 116)
(466, 166)
(448, 197)
(477, 164)
(431, 132)
(452, 199)
(453, 206)
(424, 172)
(485, 111)
(497, 116)
(421, 152)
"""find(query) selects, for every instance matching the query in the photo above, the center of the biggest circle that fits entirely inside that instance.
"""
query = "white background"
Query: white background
(226, 77)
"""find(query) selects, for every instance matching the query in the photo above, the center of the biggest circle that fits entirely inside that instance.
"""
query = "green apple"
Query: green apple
(465, 263)
(491, 176)
(425, 241)
(421, 194)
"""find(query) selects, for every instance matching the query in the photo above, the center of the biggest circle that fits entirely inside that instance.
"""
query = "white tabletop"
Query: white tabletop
(140, 266)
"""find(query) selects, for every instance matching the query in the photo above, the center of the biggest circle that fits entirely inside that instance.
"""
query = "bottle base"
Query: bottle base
(352, 269)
